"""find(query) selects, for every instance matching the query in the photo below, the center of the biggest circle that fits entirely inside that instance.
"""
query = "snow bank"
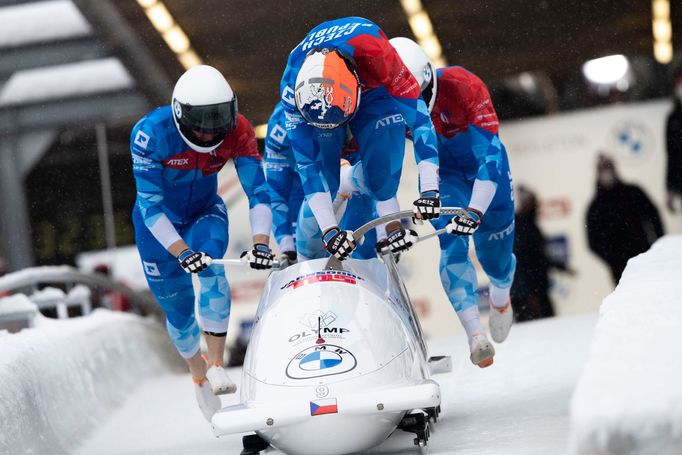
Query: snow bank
(60, 379)
(17, 303)
(628, 399)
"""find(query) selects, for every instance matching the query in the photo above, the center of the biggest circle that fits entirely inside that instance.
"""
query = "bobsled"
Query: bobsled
(336, 361)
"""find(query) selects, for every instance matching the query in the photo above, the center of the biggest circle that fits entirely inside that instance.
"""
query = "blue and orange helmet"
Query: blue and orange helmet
(327, 88)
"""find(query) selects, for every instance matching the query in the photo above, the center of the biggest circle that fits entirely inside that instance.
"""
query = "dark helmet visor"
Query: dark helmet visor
(427, 91)
(210, 118)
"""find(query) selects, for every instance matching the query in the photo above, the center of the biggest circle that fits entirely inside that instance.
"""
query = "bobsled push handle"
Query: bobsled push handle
(360, 232)
(239, 262)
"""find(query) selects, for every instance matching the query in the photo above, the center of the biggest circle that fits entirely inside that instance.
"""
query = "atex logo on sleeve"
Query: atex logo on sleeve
(390, 120)
(141, 139)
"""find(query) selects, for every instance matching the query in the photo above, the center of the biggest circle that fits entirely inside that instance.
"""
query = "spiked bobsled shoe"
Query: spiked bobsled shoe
(482, 350)
(500, 321)
(221, 383)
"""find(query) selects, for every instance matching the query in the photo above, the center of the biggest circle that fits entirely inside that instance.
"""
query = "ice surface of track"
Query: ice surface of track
(519, 406)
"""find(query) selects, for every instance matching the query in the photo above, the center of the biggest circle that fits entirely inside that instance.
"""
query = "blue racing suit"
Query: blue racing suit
(286, 197)
(177, 199)
(360, 208)
(390, 100)
(474, 172)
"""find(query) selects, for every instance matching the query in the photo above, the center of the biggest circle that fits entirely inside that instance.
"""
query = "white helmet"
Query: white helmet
(203, 104)
(420, 66)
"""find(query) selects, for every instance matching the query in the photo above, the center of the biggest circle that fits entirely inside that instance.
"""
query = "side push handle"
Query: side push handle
(239, 262)
(360, 232)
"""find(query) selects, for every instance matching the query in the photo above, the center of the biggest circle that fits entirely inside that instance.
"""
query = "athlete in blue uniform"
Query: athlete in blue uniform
(181, 222)
(474, 173)
(336, 64)
(286, 197)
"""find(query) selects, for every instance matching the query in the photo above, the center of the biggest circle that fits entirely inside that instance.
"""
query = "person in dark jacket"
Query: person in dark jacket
(622, 222)
(530, 291)
(673, 136)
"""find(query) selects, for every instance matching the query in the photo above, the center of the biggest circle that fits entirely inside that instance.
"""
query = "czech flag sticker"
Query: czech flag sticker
(325, 406)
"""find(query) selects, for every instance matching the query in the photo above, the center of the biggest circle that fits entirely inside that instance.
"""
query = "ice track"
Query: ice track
(518, 406)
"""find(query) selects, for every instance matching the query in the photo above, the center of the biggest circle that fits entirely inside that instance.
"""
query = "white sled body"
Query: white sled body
(346, 388)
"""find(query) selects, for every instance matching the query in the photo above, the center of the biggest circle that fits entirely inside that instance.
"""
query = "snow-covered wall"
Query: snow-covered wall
(629, 399)
(58, 380)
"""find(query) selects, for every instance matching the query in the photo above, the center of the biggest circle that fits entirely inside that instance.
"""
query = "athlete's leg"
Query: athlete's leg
(494, 239)
(494, 249)
(494, 242)
(379, 129)
(172, 288)
(360, 210)
(209, 233)
(458, 275)
(458, 278)
(308, 235)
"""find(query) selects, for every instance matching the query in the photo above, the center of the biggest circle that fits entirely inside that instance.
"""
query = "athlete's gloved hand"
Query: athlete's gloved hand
(465, 224)
(194, 262)
(339, 243)
(260, 257)
(383, 245)
(400, 239)
(287, 258)
(427, 206)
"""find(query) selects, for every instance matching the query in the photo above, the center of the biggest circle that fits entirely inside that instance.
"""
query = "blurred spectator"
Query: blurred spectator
(530, 291)
(622, 222)
(673, 134)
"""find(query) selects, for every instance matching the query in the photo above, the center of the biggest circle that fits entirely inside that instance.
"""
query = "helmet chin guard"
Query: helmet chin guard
(204, 108)
(327, 89)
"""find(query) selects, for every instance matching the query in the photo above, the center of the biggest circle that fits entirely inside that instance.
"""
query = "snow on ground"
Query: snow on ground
(62, 378)
(629, 400)
(519, 406)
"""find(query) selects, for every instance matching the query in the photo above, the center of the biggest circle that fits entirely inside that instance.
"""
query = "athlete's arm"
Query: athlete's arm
(380, 64)
(249, 166)
(301, 138)
(146, 150)
(483, 126)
